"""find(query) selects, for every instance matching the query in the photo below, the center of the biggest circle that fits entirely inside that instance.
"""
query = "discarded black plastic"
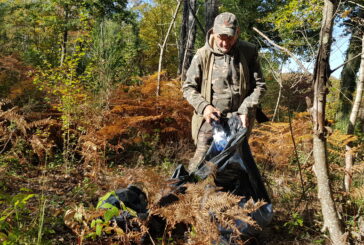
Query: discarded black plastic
(236, 172)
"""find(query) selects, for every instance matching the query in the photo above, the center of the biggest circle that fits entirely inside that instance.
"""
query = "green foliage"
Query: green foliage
(333, 99)
(38, 29)
(153, 29)
(65, 88)
(297, 24)
(100, 225)
(103, 198)
(112, 210)
(113, 56)
(295, 223)
(13, 219)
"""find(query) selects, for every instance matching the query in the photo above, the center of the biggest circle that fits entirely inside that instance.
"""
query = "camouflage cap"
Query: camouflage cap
(225, 23)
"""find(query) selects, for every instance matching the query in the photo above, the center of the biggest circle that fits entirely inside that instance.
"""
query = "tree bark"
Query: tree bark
(183, 35)
(350, 69)
(321, 76)
(349, 160)
(190, 40)
(162, 47)
(211, 11)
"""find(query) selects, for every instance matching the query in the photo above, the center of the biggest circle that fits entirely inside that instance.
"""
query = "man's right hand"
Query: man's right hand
(210, 112)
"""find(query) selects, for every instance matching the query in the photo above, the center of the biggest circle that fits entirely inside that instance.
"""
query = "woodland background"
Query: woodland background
(84, 111)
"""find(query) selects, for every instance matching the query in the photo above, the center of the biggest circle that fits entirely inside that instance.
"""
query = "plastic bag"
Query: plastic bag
(220, 136)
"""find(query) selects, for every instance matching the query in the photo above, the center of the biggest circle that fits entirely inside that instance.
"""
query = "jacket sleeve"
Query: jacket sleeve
(192, 85)
(257, 86)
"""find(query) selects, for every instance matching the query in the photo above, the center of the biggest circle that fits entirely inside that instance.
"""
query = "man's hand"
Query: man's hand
(210, 112)
(244, 120)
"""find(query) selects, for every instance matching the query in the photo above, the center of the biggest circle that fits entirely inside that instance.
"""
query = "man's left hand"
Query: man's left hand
(244, 120)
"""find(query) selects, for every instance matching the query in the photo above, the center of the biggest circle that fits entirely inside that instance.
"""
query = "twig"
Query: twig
(299, 63)
(7, 142)
(150, 237)
(296, 153)
(308, 42)
(279, 81)
(342, 93)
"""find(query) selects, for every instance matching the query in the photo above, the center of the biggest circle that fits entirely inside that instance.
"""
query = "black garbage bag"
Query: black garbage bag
(132, 202)
(132, 197)
(235, 171)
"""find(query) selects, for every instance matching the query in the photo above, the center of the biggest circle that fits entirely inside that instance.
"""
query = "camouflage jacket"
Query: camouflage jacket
(230, 82)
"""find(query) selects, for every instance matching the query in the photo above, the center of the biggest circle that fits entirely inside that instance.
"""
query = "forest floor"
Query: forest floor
(58, 189)
(141, 139)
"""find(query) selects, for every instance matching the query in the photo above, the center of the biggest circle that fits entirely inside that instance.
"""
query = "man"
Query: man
(224, 79)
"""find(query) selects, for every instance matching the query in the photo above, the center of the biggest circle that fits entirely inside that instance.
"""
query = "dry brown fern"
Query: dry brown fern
(272, 143)
(203, 207)
(16, 129)
(136, 111)
(82, 223)
(358, 168)
(200, 208)
(358, 193)
(12, 116)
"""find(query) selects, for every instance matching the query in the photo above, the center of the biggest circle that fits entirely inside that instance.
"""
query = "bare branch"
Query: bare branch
(164, 45)
(299, 63)
(356, 56)
(362, 6)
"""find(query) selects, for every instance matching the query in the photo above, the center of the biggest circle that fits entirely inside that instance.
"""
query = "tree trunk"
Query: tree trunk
(183, 35)
(162, 47)
(350, 69)
(211, 11)
(65, 38)
(321, 76)
(190, 40)
(349, 161)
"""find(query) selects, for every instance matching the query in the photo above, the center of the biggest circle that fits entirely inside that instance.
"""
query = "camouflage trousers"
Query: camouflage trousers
(204, 140)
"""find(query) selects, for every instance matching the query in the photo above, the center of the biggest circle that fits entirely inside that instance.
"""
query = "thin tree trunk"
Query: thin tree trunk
(321, 76)
(278, 78)
(164, 45)
(183, 35)
(65, 38)
(350, 69)
(349, 161)
(64, 46)
(190, 42)
(277, 103)
(211, 11)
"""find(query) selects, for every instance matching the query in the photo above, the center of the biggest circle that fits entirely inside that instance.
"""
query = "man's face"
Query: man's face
(225, 42)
